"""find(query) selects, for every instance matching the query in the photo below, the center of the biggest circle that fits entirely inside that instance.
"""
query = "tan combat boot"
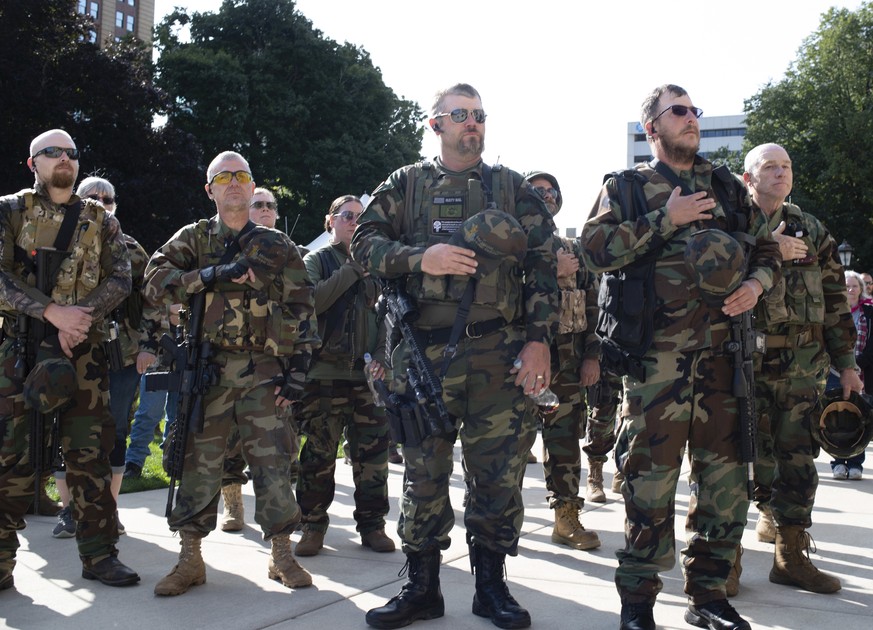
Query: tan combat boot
(189, 571)
(595, 492)
(233, 519)
(617, 478)
(310, 542)
(283, 567)
(765, 527)
(569, 531)
(732, 584)
(792, 566)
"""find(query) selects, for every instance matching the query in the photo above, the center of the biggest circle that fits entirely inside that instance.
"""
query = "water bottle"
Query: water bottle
(547, 399)
(377, 399)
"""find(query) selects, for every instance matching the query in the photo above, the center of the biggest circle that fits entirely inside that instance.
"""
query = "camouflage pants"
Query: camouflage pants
(562, 430)
(600, 426)
(686, 399)
(235, 465)
(330, 407)
(87, 434)
(497, 428)
(785, 476)
(266, 445)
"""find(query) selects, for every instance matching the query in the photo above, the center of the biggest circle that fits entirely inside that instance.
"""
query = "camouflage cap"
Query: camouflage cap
(267, 252)
(52, 381)
(845, 427)
(495, 236)
(716, 262)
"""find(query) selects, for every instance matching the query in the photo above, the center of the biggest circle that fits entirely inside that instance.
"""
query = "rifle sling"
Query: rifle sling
(62, 240)
(234, 248)
(458, 325)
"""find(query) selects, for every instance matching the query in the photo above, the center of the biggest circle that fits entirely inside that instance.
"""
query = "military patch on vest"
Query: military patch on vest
(448, 214)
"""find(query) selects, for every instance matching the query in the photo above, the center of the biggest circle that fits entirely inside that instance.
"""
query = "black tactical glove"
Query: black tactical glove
(294, 383)
(222, 273)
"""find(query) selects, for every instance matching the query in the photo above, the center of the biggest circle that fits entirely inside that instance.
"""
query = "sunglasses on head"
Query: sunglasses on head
(107, 201)
(55, 152)
(224, 177)
(460, 115)
(259, 205)
(680, 111)
(348, 215)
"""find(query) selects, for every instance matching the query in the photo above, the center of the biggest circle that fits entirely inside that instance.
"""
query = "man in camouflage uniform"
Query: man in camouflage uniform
(685, 395)
(808, 325)
(92, 281)
(258, 315)
(403, 234)
(575, 366)
(337, 396)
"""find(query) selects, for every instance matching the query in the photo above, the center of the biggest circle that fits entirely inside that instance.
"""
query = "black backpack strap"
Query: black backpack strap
(235, 248)
(667, 173)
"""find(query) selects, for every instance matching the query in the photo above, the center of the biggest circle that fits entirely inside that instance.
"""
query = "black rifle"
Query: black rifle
(422, 412)
(190, 374)
(29, 334)
(743, 342)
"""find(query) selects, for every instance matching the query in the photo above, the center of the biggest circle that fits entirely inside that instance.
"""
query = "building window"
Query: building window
(723, 133)
(92, 36)
(130, 23)
(83, 6)
(131, 2)
(119, 19)
(639, 137)
(95, 8)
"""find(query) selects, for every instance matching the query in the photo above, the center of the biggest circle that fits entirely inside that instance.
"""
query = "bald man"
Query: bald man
(90, 282)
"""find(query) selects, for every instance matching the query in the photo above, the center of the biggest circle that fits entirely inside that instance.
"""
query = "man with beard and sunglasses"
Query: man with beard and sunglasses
(474, 247)
(688, 239)
(69, 380)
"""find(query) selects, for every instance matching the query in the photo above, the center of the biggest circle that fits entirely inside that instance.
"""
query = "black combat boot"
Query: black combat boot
(492, 597)
(420, 598)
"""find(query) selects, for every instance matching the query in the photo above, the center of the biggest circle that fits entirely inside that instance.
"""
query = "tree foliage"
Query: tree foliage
(53, 77)
(822, 113)
(313, 117)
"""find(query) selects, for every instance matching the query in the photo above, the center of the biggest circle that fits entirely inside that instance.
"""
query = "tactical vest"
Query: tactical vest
(434, 209)
(239, 317)
(798, 297)
(79, 274)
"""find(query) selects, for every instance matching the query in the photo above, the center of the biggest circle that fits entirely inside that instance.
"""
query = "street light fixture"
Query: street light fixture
(845, 253)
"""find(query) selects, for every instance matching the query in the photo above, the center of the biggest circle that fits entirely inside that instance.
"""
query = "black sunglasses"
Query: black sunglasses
(55, 152)
(107, 201)
(680, 111)
(460, 115)
(258, 205)
(543, 191)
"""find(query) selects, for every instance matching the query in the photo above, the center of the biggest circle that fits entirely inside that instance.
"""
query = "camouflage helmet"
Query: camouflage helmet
(716, 262)
(495, 236)
(844, 427)
(267, 252)
(52, 381)
(552, 180)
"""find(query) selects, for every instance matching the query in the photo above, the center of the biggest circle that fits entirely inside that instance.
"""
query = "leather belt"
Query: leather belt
(473, 330)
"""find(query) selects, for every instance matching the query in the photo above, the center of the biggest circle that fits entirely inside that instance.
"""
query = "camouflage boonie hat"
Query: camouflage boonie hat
(552, 180)
(844, 427)
(495, 236)
(52, 381)
(716, 262)
(267, 252)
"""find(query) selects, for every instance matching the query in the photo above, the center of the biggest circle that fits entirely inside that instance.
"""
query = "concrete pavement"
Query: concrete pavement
(562, 587)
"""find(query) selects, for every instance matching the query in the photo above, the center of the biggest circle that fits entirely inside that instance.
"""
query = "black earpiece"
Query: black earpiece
(436, 127)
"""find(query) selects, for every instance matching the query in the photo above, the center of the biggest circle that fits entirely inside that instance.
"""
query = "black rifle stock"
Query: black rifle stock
(428, 416)
(743, 342)
(30, 332)
(190, 374)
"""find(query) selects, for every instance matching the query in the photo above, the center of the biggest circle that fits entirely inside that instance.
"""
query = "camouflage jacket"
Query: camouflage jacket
(342, 287)
(130, 323)
(387, 251)
(576, 340)
(682, 320)
(110, 280)
(812, 291)
(273, 321)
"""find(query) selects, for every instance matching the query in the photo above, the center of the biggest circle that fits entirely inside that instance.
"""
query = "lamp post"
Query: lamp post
(845, 253)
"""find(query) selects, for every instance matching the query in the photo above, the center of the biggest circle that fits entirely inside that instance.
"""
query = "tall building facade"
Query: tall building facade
(715, 132)
(114, 19)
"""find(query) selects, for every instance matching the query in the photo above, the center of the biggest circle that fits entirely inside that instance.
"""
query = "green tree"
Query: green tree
(313, 117)
(106, 100)
(732, 159)
(822, 113)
